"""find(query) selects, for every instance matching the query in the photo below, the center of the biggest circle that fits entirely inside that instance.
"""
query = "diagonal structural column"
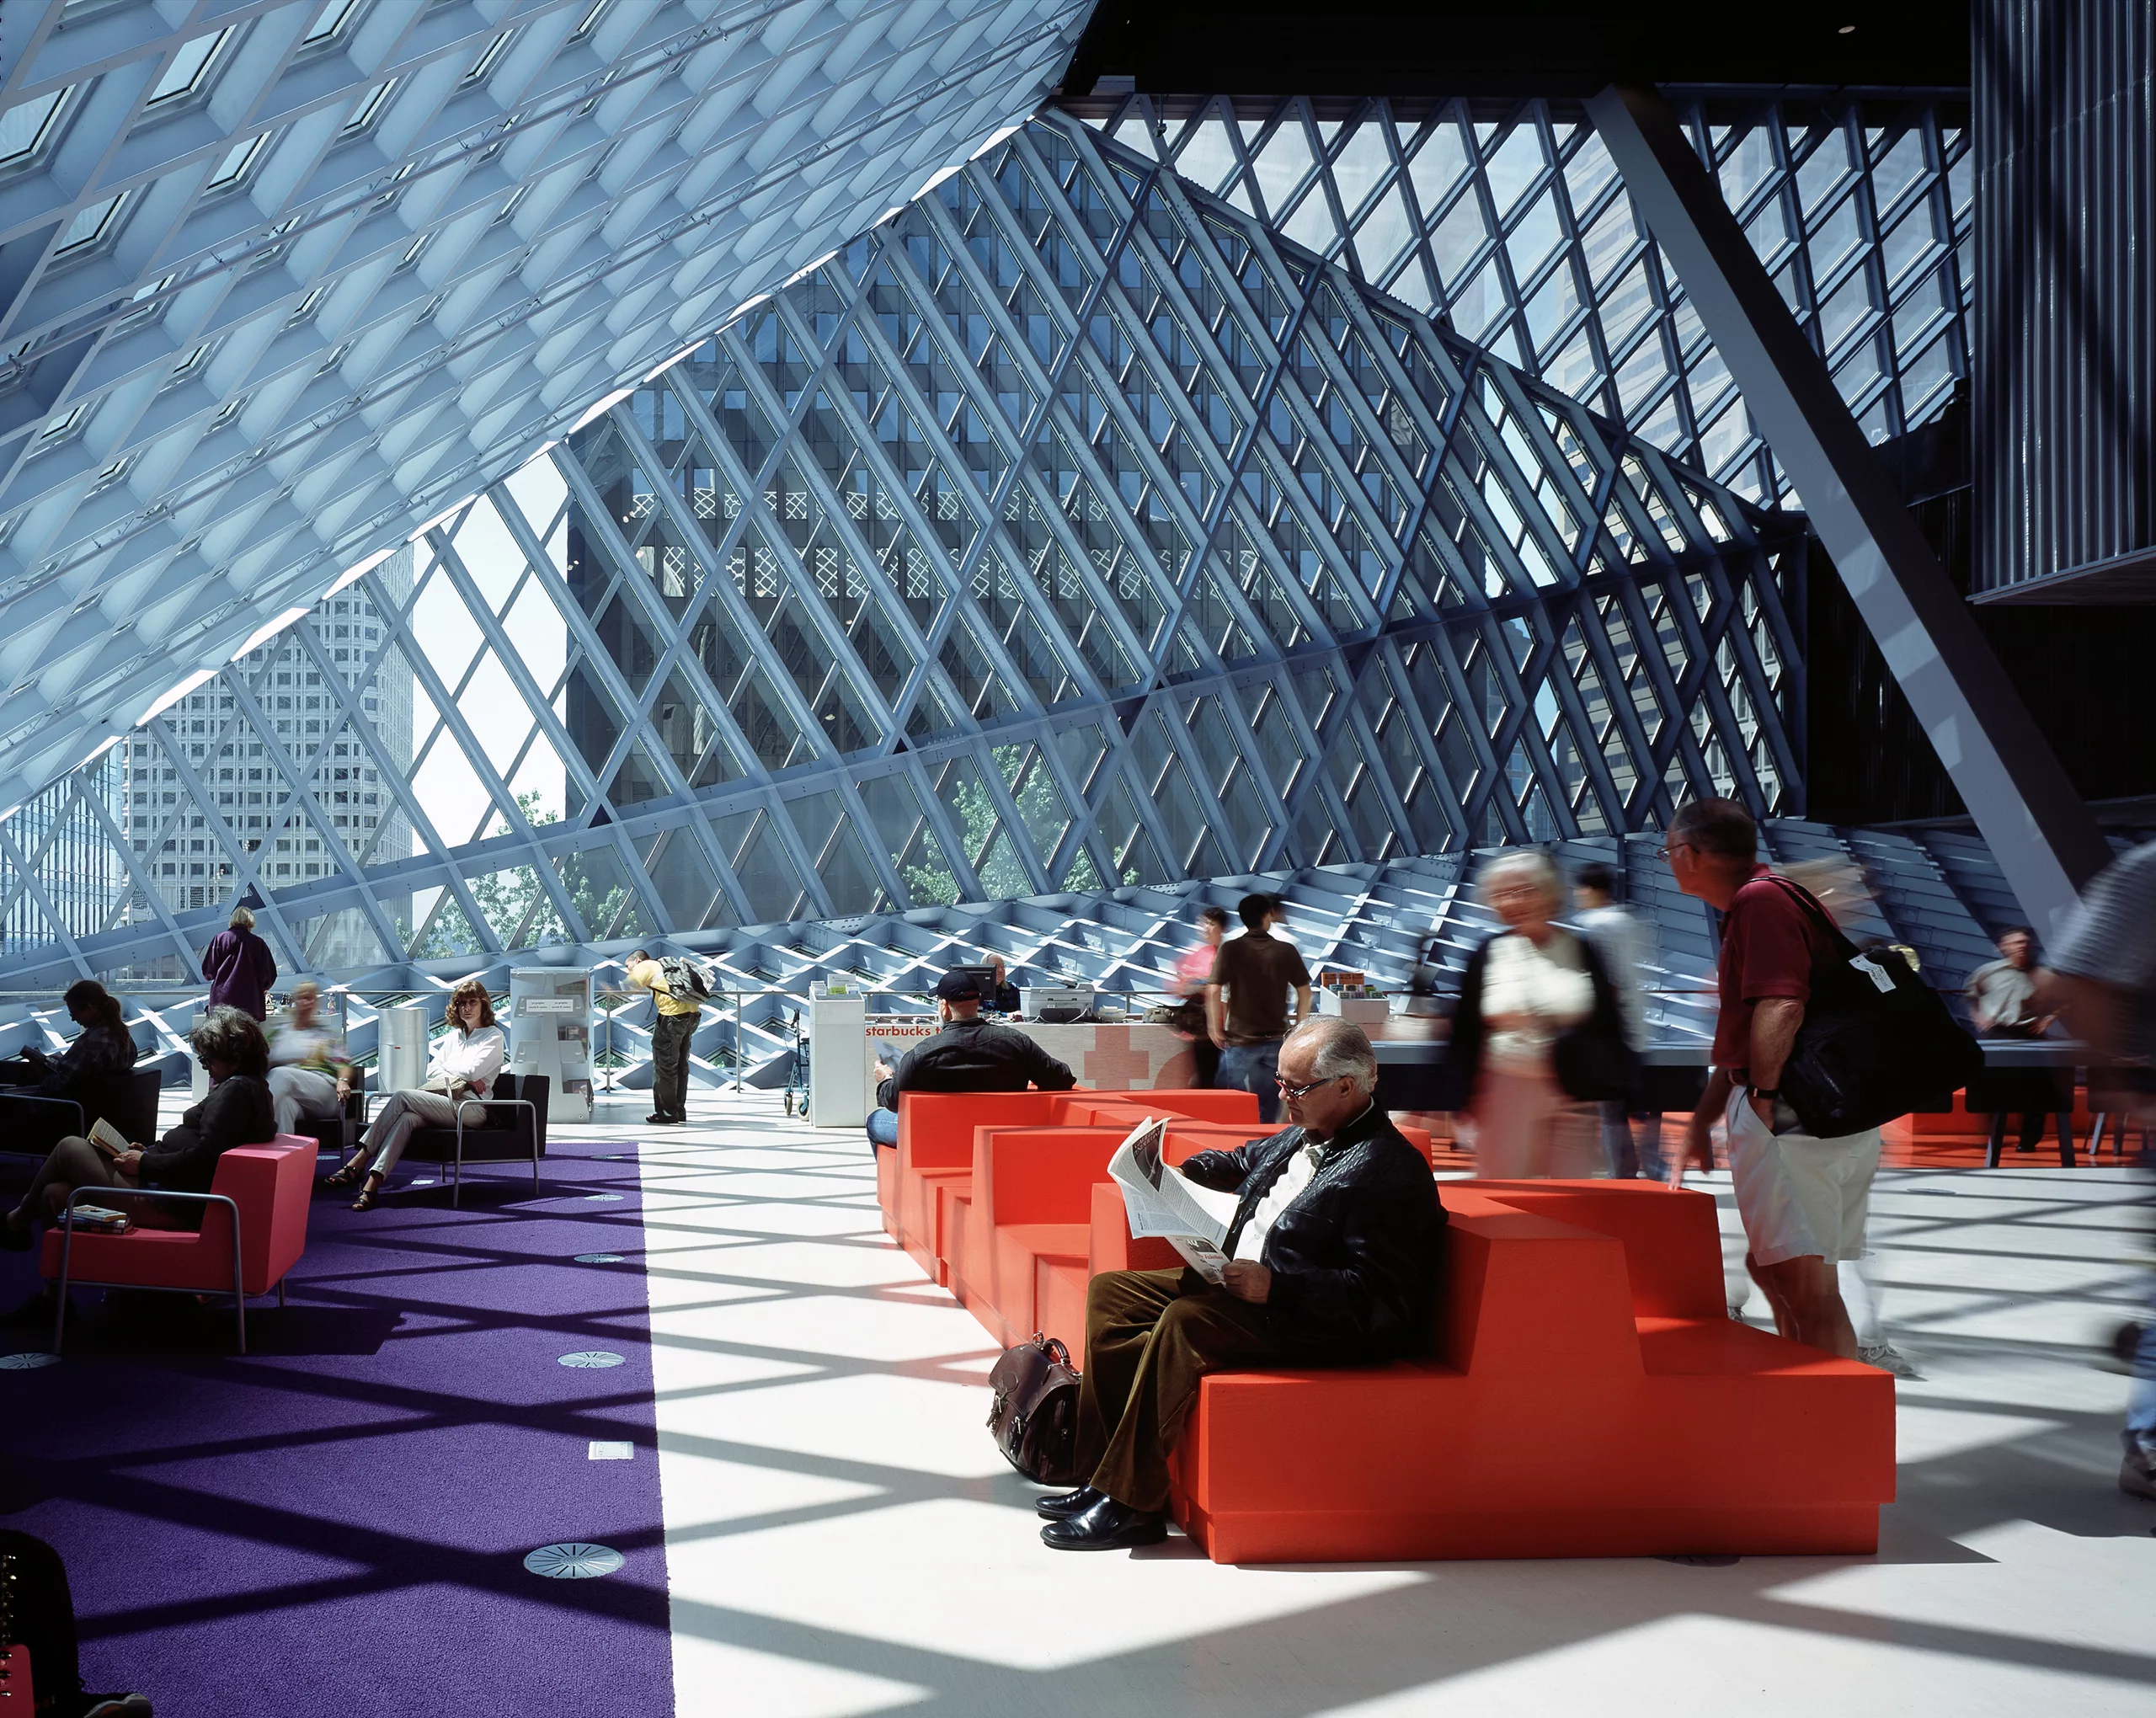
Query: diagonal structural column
(2035, 821)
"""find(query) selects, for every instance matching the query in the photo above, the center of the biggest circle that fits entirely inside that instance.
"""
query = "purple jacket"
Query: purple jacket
(240, 969)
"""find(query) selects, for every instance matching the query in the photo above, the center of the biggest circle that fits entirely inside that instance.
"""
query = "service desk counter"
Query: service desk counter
(1107, 1055)
(1132, 1055)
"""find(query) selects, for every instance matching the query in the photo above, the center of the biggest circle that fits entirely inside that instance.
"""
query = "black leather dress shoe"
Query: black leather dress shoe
(1063, 1505)
(1107, 1526)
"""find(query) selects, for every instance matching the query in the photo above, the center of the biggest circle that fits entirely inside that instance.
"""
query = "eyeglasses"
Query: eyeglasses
(1287, 1091)
(1667, 848)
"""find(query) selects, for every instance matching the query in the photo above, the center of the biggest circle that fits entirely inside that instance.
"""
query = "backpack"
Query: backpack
(1876, 1041)
(1034, 1411)
(685, 979)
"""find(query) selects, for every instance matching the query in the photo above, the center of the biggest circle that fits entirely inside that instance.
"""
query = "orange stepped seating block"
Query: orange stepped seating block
(1570, 1309)
(1022, 1262)
(930, 1179)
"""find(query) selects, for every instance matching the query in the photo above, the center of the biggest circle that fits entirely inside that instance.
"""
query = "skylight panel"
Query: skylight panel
(188, 69)
(24, 127)
(331, 19)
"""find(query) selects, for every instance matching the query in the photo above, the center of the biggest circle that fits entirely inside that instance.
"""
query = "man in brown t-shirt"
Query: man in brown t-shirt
(1246, 1003)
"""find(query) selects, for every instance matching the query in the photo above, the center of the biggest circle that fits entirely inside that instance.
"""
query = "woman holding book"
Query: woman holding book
(237, 1111)
(103, 1051)
(463, 1065)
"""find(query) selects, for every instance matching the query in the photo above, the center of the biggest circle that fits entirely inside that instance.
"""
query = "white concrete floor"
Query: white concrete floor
(842, 1537)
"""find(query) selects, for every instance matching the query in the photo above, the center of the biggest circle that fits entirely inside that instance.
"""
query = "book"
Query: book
(1162, 1203)
(101, 1218)
(109, 1138)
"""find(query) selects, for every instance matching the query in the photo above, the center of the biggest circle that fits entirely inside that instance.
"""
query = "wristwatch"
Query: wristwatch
(1769, 1092)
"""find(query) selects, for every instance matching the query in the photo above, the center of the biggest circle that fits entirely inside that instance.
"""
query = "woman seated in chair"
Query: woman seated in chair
(465, 1059)
(310, 1074)
(102, 1051)
(236, 1113)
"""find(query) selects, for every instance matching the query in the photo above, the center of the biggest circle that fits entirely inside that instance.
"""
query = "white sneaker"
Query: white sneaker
(1888, 1358)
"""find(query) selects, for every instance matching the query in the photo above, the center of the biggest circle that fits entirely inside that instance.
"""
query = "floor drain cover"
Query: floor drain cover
(593, 1359)
(27, 1363)
(574, 1561)
(601, 1258)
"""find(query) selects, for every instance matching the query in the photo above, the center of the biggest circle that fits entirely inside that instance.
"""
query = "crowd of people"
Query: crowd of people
(1331, 1251)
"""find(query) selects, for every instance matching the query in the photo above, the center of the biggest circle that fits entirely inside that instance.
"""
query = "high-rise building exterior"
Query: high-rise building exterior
(212, 812)
(62, 875)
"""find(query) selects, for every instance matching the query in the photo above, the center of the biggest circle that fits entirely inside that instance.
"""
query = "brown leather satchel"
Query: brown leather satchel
(1034, 1412)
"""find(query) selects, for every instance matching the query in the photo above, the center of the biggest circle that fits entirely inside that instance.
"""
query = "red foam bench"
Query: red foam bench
(927, 1183)
(253, 1231)
(1588, 1396)
(1021, 1262)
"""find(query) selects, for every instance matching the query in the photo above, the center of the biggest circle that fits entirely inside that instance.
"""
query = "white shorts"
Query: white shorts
(1799, 1195)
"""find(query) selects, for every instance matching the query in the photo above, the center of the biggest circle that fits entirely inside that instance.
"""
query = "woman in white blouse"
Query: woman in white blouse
(1537, 1040)
(464, 1061)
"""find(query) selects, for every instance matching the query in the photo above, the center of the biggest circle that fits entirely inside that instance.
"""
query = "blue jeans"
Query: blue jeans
(1632, 1155)
(882, 1127)
(1253, 1068)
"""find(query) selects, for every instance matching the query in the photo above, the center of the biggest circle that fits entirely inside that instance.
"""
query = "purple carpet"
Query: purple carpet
(336, 1523)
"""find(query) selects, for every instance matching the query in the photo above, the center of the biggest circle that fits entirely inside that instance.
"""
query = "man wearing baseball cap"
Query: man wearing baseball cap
(969, 1055)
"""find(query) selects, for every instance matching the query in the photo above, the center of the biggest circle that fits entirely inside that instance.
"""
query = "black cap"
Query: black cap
(958, 985)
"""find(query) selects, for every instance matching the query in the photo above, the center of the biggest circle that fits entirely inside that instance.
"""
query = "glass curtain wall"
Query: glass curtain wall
(1507, 222)
(1069, 531)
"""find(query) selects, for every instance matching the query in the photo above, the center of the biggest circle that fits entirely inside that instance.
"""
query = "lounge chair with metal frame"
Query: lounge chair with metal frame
(510, 1139)
(253, 1231)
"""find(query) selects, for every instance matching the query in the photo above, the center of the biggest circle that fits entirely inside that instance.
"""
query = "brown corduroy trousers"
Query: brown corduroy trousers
(1150, 1335)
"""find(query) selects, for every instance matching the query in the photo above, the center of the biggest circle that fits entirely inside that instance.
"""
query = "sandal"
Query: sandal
(368, 1193)
(351, 1175)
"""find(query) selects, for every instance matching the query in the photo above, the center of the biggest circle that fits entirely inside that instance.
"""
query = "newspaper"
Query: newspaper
(1162, 1202)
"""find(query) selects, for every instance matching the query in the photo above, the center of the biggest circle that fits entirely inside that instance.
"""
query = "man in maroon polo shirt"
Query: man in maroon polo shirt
(1803, 1199)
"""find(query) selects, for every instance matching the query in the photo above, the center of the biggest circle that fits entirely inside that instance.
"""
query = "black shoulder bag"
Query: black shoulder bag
(1034, 1411)
(1876, 1041)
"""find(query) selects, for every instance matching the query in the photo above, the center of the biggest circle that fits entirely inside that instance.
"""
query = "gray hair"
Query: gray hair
(242, 918)
(228, 1036)
(1338, 1047)
(1533, 862)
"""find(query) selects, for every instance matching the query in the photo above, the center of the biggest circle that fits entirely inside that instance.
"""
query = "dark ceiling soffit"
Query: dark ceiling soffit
(2129, 578)
(1722, 104)
(1443, 48)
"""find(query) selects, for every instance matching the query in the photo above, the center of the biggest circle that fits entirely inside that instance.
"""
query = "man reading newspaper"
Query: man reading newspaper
(1327, 1258)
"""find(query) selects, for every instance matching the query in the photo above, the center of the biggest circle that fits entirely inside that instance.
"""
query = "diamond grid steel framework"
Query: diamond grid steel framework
(280, 280)
(1507, 221)
(1067, 533)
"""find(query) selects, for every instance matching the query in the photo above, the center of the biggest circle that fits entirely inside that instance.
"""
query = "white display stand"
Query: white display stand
(1365, 1011)
(550, 1033)
(400, 1040)
(838, 1070)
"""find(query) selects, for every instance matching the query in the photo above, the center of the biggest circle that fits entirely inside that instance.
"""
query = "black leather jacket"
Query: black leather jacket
(237, 1111)
(1355, 1258)
(975, 1055)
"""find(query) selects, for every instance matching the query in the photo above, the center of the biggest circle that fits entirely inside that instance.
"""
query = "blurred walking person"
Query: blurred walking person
(2103, 981)
(1537, 1040)
(1622, 940)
